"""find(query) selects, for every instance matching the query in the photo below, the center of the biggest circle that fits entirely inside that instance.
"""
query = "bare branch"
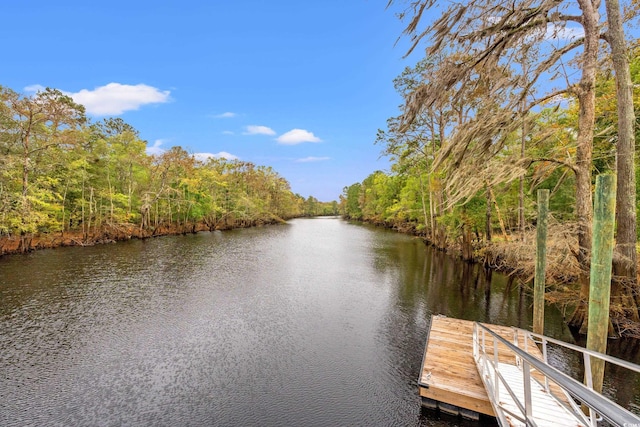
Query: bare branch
(531, 161)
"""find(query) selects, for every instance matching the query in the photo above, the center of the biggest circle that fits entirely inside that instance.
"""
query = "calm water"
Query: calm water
(314, 323)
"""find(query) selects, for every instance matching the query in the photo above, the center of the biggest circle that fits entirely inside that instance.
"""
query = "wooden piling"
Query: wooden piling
(541, 262)
(600, 278)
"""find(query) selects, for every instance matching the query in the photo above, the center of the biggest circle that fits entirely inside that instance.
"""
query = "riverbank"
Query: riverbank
(112, 233)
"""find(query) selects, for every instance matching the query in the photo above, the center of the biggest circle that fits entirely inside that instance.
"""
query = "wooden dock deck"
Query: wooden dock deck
(449, 378)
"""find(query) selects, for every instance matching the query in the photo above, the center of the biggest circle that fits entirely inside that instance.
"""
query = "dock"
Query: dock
(474, 369)
(449, 378)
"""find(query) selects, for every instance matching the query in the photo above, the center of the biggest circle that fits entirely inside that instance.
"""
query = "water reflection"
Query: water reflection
(316, 322)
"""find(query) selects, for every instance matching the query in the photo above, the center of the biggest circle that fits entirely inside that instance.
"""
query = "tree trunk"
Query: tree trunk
(523, 142)
(584, 154)
(500, 221)
(467, 247)
(84, 232)
(521, 209)
(25, 163)
(90, 216)
(424, 205)
(625, 261)
(431, 210)
(487, 226)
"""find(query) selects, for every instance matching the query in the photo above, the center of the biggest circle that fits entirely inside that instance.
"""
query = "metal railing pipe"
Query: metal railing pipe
(609, 410)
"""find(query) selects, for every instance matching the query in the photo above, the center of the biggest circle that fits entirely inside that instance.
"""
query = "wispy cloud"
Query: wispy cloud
(34, 88)
(259, 130)
(297, 136)
(552, 32)
(227, 115)
(155, 149)
(221, 155)
(557, 32)
(228, 132)
(312, 159)
(116, 98)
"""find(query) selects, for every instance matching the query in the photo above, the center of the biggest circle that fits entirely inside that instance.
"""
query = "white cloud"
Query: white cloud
(221, 155)
(227, 115)
(297, 136)
(555, 32)
(116, 98)
(312, 159)
(228, 132)
(259, 130)
(552, 32)
(34, 88)
(155, 149)
(228, 156)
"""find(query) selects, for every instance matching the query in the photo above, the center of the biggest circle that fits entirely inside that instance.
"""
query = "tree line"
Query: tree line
(509, 98)
(62, 173)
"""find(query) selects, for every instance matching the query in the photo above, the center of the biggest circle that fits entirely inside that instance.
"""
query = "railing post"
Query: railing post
(600, 280)
(484, 346)
(541, 262)
(496, 377)
(528, 410)
(517, 344)
(546, 360)
(475, 341)
(588, 379)
(587, 371)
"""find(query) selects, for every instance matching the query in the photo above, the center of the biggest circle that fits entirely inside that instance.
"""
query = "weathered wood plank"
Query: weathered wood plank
(474, 403)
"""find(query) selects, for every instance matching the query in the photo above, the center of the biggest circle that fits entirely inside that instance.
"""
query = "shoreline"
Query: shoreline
(113, 233)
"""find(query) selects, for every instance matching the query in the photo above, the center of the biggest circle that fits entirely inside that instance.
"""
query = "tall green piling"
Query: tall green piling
(541, 262)
(600, 279)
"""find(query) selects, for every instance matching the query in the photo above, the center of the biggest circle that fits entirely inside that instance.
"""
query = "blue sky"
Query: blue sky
(301, 86)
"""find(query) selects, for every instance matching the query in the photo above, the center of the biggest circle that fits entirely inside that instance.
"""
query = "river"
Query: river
(317, 322)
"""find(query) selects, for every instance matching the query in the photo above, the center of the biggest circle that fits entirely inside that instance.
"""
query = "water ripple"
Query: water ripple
(314, 323)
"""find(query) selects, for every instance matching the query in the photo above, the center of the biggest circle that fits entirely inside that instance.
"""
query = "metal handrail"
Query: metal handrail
(598, 404)
(586, 356)
(542, 339)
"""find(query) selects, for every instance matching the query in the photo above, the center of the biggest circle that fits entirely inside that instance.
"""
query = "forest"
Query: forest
(65, 180)
(541, 95)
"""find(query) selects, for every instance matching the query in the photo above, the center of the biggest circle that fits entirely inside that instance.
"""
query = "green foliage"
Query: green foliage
(350, 200)
(58, 172)
(417, 190)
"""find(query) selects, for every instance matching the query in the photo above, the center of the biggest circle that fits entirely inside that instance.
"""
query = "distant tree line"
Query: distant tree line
(59, 173)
